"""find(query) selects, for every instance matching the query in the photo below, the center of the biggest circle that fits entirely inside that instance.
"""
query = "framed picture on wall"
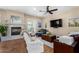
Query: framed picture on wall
(39, 24)
(73, 22)
(16, 20)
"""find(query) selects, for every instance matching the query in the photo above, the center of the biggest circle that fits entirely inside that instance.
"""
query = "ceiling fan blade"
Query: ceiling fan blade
(54, 10)
(47, 8)
(50, 12)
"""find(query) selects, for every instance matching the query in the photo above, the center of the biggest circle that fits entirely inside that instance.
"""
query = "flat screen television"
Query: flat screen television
(56, 23)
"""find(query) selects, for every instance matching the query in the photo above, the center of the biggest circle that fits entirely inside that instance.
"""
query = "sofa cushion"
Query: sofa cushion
(75, 35)
(66, 39)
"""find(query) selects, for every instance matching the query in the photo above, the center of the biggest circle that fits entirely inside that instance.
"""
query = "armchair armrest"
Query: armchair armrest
(74, 44)
(60, 47)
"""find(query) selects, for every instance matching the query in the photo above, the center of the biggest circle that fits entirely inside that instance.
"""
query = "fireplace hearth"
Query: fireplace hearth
(15, 30)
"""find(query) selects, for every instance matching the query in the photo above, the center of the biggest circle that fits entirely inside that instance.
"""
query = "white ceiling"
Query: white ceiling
(34, 10)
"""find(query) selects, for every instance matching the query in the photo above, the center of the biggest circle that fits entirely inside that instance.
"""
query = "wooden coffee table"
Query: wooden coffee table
(48, 38)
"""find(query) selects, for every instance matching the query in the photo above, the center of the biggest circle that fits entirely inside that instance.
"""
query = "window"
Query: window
(30, 27)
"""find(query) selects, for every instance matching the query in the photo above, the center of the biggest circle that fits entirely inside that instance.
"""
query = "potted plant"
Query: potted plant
(3, 30)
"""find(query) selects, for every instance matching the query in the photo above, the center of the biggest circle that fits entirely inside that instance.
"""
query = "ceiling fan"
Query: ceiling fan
(48, 10)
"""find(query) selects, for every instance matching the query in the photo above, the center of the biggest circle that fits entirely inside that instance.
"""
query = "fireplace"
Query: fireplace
(15, 30)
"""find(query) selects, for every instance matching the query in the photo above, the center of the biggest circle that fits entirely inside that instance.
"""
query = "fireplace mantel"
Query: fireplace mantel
(13, 25)
(16, 30)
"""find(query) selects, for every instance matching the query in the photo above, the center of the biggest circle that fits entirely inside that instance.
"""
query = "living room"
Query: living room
(39, 19)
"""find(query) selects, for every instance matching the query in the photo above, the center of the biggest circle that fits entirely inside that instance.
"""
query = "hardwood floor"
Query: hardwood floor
(18, 46)
(13, 46)
(48, 49)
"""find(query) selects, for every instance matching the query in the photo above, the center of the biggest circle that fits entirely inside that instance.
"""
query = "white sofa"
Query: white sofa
(66, 39)
(34, 45)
